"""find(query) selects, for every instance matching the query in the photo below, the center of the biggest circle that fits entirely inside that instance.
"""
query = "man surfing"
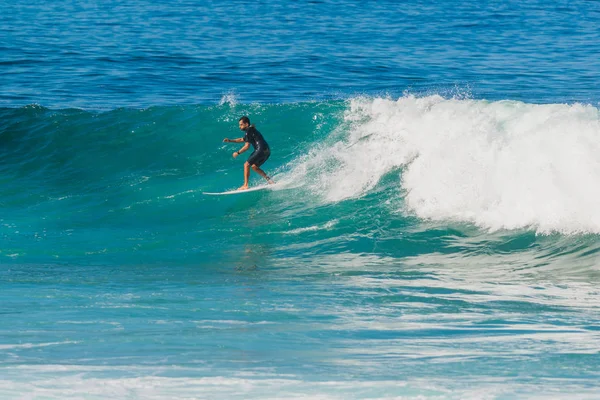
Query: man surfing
(260, 154)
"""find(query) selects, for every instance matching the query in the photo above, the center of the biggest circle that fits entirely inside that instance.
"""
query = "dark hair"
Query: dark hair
(245, 120)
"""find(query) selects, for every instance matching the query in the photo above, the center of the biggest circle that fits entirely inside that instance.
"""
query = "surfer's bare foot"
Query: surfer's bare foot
(243, 187)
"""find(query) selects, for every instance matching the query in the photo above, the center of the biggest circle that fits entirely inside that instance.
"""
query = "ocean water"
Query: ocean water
(434, 234)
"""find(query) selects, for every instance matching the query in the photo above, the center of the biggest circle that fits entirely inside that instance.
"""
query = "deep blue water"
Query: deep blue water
(434, 232)
(139, 53)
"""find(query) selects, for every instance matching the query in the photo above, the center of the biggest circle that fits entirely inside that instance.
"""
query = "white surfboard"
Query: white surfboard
(252, 189)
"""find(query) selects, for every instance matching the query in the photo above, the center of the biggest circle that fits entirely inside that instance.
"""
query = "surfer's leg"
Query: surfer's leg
(246, 176)
(259, 171)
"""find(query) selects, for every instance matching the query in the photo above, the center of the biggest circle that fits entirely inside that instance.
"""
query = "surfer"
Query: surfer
(260, 154)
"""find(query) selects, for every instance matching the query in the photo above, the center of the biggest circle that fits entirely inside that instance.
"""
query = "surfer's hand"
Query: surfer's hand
(235, 154)
(226, 140)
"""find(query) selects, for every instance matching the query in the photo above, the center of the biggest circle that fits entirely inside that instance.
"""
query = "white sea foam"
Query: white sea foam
(229, 98)
(33, 345)
(66, 382)
(325, 226)
(499, 165)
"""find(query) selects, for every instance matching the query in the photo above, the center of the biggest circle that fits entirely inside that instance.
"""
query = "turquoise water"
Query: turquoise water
(433, 234)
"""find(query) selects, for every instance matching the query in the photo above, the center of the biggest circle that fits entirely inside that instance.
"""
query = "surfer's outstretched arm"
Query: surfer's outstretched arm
(238, 140)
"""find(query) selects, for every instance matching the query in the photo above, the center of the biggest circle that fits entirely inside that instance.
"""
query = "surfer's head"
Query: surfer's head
(244, 123)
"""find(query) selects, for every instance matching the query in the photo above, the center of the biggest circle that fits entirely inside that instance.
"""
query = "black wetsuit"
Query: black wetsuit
(261, 149)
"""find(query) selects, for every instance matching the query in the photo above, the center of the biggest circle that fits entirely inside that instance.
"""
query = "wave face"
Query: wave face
(128, 183)
(447, 238)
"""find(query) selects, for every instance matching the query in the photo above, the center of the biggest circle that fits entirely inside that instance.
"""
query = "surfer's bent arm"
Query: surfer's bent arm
(243, 149)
